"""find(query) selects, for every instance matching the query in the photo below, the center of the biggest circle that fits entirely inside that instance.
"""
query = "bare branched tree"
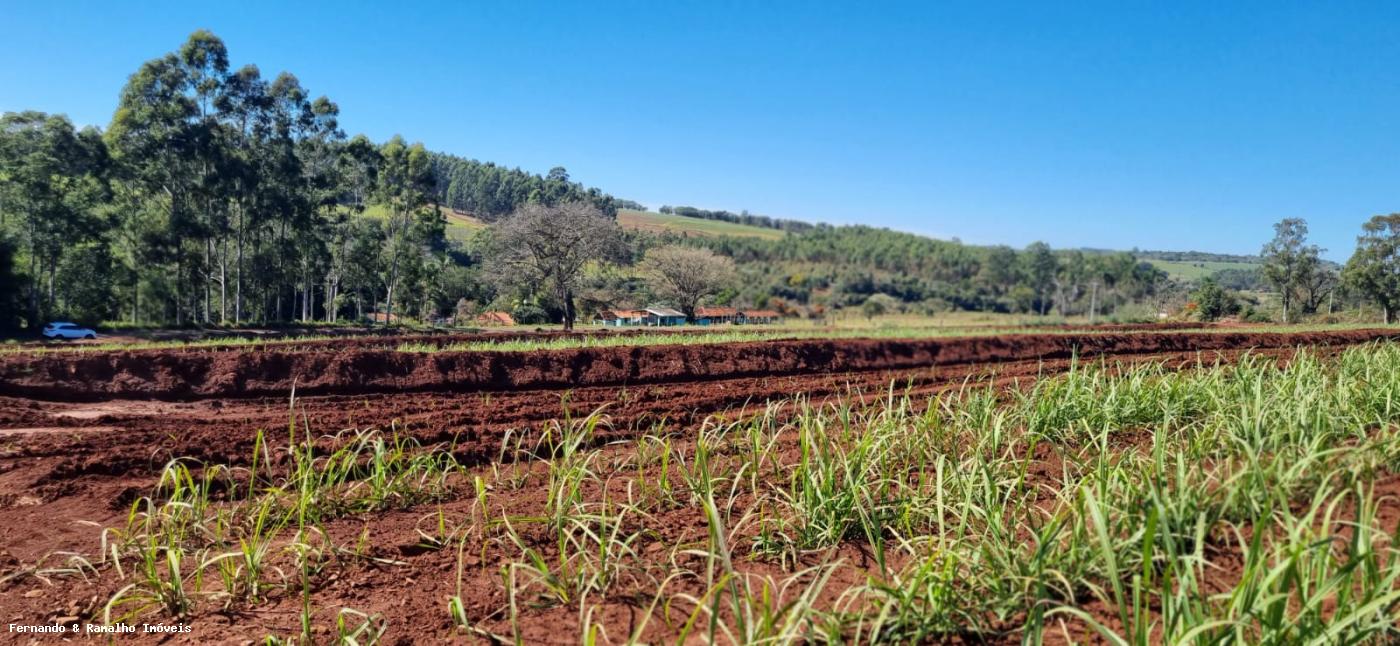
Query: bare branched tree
(542, 246)
(685, 275)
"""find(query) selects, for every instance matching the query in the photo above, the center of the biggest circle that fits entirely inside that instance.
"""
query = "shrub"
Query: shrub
(1213, 301)
(529, 315)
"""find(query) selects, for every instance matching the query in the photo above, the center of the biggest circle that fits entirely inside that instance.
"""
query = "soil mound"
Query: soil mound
(353, 370)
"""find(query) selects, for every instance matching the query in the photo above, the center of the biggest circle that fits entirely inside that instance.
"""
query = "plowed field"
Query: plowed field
(85, 435)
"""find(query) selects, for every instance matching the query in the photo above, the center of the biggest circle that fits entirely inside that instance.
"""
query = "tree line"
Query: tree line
(840, 267)
(217, 195)
(491, 192)
(1293, 270)
(743, 217)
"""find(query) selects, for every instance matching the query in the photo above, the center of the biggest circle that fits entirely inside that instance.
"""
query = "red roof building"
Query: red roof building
(495, 319)
(761, 316)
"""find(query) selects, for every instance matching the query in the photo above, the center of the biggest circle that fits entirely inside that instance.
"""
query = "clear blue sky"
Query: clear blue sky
(1173, 126)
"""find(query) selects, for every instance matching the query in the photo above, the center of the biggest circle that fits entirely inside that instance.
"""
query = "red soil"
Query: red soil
(161, 374)
(81, 435)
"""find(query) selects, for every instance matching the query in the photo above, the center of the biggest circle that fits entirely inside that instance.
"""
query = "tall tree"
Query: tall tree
(1040, 270)
(550, 245)
(405, 187)
(1286, 258)
(1316, 280)
(54, 180)
(686, 275)
(1374, 269)
(153, 140)
(10, 307)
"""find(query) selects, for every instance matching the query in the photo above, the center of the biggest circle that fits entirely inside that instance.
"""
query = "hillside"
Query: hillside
(1182, 266)
(680, 225)
(1192, 270)
(460, 226)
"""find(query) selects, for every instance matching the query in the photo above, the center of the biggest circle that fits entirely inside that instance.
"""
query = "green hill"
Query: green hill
(662, 223)
(1192, 270)
(460, 226)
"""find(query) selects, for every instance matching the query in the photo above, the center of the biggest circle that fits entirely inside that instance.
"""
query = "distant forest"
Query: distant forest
(491, 192)
(839, 267)
(1197, 256)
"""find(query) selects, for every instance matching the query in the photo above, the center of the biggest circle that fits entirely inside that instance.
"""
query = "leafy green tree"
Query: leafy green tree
(363, 264)
(998, 271)
(1286, 259)
(1374, 269)
(1214, 302)
(405, 186)
(1316, 280)
(86, 292)
(159, 141)
(11, 308)
(1040, 268)
(54, 183)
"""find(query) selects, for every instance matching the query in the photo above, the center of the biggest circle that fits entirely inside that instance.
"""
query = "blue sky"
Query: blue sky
(1116, 125)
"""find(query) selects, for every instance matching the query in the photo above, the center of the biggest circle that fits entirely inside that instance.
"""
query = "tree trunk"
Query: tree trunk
(568, 310)
(179, 277)
(388, 305)
(52, 270)
(223, 281)
(238, 280)
(208, 278)
(1093, 303)
(33, 283)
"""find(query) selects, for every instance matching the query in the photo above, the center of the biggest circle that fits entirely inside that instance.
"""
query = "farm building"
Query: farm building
(715, 315)
(759, 317)
(620, 318)
(662, 317)
(495, 319)
(666, 317)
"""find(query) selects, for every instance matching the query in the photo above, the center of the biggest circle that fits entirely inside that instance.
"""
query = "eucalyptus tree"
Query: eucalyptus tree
(246, 109)
(1374, 269)
(1287, 259)
(1039, 268)
(53, 188)
(155, 141)
(405, 187)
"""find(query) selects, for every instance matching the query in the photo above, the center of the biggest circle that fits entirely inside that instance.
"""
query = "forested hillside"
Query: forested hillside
(845, 266)
(220, 196)
(491, 192)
